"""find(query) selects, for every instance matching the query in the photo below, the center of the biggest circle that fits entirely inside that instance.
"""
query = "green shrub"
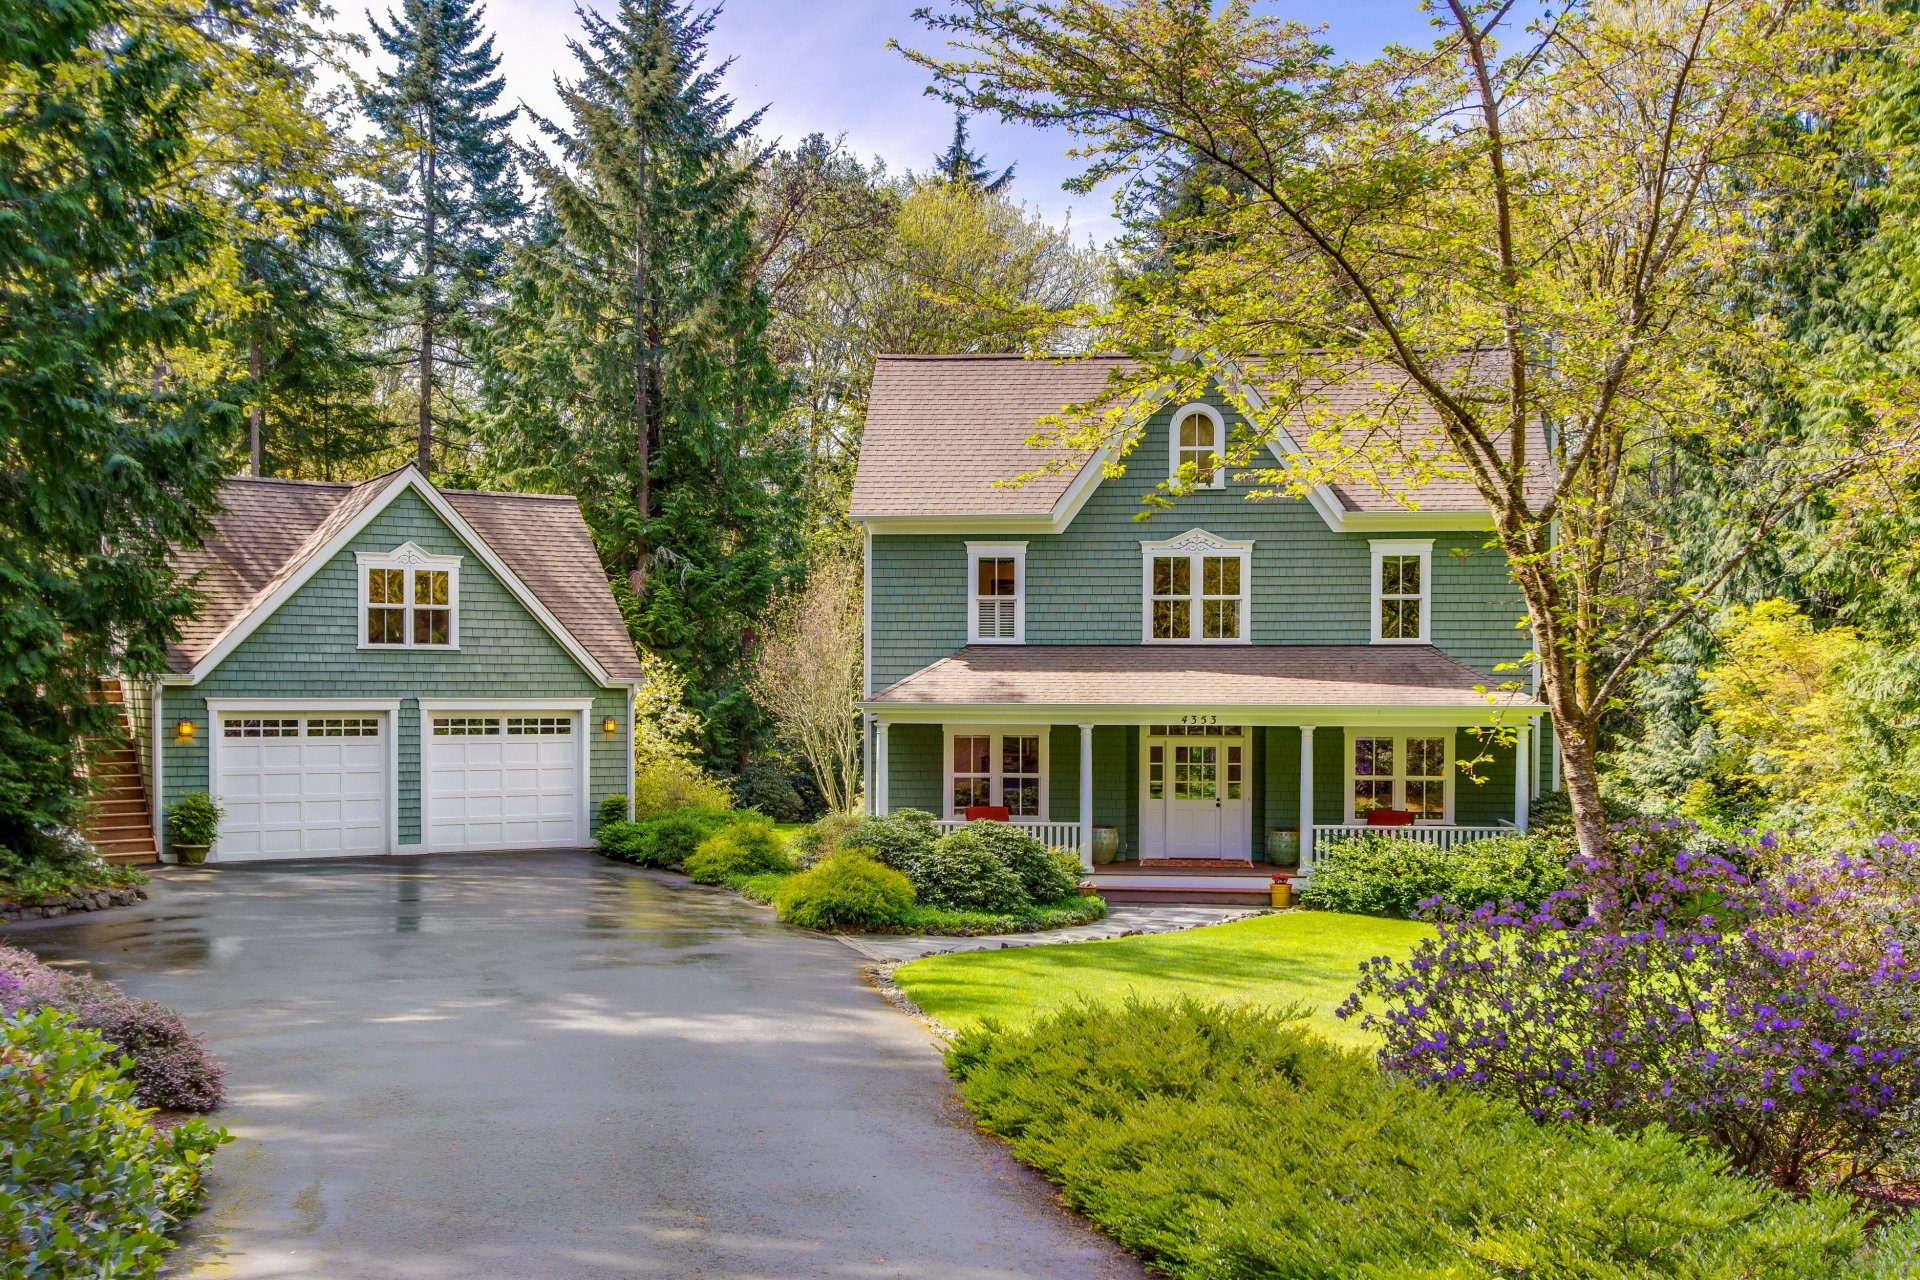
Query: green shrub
(776, 788)
(624, 840)
(59, 863)
(193, 819)
(669, 839)
(1382, 875)
(964, 872)
(1047, 875)
(743, 849)
(847, 891)
(897, 840)
(944, 922)
(613, 809)
(89, 1188)
(661, 786)
(1224, 1141)
(824, 838)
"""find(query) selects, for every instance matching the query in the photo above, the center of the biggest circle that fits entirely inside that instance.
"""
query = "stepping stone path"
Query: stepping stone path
(1120, 922)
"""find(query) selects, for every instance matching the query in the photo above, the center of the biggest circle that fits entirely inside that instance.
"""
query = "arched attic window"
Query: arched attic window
(1199, 441)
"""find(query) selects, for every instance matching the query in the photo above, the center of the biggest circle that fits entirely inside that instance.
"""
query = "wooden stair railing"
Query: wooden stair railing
(119, 821)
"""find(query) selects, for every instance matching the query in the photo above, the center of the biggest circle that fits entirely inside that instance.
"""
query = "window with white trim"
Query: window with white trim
(1199, 440)
(988, 767)
(409, 599)
(997, 586)
(1402, 591)
(1405, 771)
(1196, 590)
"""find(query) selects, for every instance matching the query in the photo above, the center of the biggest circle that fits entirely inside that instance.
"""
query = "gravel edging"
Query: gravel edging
(1033, 938)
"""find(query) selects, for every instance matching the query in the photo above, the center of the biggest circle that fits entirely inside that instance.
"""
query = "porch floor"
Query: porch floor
(1208, 881)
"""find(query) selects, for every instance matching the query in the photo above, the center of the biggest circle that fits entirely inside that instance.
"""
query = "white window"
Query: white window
(1403, 771)
(409, 600)
(1402, 591)
(1195, 590)
(997, 767)
(1199, 442)
(997, 586)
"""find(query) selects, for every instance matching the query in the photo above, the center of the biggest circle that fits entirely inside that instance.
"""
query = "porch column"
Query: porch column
(1306, 798)
(1522, 754)
(1086, 797)
(867, 722)
(881, 761)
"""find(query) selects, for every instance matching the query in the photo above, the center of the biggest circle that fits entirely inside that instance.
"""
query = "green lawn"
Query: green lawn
(1311, 957)
(788, 830)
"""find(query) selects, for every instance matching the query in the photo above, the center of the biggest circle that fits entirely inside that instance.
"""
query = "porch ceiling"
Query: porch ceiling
(1181, 677)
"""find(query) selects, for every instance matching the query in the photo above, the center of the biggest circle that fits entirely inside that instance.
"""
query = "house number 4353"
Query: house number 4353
(1199, 719)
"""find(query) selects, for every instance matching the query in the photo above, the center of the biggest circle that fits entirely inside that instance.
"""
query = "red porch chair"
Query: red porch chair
(1389, 817)
(988, 813)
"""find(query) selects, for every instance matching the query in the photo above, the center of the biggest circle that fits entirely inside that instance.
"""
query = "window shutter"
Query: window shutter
(996, 618)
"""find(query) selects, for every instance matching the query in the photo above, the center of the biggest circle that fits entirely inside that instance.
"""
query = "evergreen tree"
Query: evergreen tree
(110, 454)
(962, 166)
(631, 366)
(455, 204)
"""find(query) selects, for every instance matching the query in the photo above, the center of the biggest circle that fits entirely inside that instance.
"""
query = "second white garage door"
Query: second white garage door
(497, 780)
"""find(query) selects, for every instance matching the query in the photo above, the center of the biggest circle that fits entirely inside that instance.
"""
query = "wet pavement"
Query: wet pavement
(552, 1066)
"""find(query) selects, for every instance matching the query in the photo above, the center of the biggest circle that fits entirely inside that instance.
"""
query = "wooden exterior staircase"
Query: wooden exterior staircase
(120, 821)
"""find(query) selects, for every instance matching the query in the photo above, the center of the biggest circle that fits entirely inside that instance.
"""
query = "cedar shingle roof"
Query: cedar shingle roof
(941, 430)
(269, 529)
(1178, 676)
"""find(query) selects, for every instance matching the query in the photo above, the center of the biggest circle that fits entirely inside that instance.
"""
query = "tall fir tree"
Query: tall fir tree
(632, 367)
(111, 454)
(456, 203)
(962, 166)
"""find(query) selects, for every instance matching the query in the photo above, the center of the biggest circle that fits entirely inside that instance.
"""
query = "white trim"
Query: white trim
(866, 619)
(1194, 544)
(996, 732)
(1400, 734)
(978, 551)
(1292, 714)
(1380, 549)
(388, 707)
(633, 728)
(1306, 798)
(1218, 447)
(409, 478)
(409, 557)
(1522, 776)
(580, 708)
(156, 798)
(883, 770)
(1086, 795)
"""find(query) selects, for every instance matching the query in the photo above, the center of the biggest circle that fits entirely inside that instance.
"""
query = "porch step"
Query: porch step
(1212, 895)
(118, 822)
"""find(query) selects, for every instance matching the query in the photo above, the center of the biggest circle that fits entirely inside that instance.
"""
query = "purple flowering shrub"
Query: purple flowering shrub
(1773, 1015)
(172, 1066)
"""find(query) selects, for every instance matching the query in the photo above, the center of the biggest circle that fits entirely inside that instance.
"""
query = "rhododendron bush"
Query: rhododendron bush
(1767, 1004)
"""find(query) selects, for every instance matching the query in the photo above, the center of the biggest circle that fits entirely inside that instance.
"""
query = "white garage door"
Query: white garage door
(503, 781)
(301, 786)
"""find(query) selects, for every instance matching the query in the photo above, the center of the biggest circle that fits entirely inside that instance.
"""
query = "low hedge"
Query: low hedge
(668, 839)
(88, 1187)
(1382, 875)
(846, 891)
(743, 849)
(1221, 1142)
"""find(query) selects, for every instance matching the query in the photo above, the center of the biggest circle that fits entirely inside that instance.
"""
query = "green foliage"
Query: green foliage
(743, 849)
(667, 840)
(1219, 1142)
(64, 864)
(664, 785)
(964, 872)
(825, 837)
(194, 819)
(108, 458)
(948, 922)
(845, 892)
(612, 809)
(1047, 875)
(771, 785)
(1391, 876)
(89, 1187)
(898, 840)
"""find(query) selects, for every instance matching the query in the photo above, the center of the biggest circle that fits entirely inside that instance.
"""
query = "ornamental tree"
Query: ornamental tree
(1539, 236)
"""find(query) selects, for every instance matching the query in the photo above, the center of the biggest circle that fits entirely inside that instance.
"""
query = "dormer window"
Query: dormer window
(997, 579)
(1199, 440)
(409, 599)
(1402, 591)
(1195, 590)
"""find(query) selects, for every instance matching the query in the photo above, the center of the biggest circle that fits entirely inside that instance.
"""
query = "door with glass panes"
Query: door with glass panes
(1195, 804)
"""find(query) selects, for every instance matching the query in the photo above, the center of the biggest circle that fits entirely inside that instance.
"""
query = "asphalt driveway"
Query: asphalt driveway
(552, 1066)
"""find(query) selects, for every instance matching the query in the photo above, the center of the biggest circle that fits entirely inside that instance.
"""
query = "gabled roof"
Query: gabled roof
(1177, 677)
(942, 430)
(271, 534)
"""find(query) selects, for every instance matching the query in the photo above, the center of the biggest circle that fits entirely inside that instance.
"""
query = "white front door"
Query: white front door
(301, 785)
(503, 780)
(1196, 793)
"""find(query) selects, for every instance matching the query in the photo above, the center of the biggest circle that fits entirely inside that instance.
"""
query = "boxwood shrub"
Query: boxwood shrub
(743, 849)
(962, 871)
(1383, 875)
(1047, 875)
(898, 840)
(1222, 1142)
(846, 891)
(88, 1187)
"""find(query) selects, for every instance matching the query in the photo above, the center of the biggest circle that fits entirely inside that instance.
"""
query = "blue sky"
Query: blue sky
(823, 66)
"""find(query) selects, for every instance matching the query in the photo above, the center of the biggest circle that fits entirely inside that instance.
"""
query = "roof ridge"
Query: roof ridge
(511, 493)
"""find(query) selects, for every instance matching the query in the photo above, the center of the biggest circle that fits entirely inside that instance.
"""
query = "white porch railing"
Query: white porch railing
(1055, 835)
(1444, 837)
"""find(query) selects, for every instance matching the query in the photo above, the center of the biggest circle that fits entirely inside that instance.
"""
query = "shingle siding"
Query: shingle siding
(309, 649)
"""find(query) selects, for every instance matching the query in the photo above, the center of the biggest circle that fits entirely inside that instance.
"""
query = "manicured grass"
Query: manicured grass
(954, 924)
(1309, 957)
(788, 830)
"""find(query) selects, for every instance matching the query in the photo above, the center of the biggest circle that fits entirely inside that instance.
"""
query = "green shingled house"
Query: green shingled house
(387, 667)
(1212, 683)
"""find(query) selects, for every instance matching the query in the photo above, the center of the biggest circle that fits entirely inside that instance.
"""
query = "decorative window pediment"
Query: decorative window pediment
(409, 599)
(1195, 589)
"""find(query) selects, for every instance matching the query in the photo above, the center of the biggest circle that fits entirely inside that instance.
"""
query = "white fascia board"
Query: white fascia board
(410, 478)
(1324, 715)
(440, 706)
(237, 705)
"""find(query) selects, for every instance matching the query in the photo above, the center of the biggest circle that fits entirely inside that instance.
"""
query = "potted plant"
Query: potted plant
(190, 826)
(1282, 891)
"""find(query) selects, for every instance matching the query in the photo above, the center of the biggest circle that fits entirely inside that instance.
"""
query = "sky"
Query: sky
(822, 66)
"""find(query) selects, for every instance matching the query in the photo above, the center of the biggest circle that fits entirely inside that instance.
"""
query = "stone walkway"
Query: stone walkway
(1121, 922)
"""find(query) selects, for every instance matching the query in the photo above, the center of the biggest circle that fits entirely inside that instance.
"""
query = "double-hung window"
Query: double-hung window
(1397, 771)
(409, 600)
(1199, 440)
(997, 586)
(995, 767)
(1196, 589)
(1402, 591)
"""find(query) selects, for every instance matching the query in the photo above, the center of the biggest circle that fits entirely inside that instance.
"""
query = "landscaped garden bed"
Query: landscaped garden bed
(67, 876)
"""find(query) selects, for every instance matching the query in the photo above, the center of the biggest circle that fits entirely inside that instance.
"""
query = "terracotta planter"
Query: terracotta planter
(1106, 844)
(190, 855)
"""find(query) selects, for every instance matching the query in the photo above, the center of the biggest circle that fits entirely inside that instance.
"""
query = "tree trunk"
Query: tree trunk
(643, 407)
(256, 417)
(423, 446)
